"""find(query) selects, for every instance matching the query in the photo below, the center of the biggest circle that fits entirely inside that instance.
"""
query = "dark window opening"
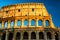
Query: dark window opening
(6, 11)
(32, 10)
(18, 10)
(39, 15)
(25, 15)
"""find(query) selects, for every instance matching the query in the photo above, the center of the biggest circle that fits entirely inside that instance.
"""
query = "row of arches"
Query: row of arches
(26, 36)
(26, 23)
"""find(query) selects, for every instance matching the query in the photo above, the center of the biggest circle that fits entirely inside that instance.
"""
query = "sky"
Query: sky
(52, 6)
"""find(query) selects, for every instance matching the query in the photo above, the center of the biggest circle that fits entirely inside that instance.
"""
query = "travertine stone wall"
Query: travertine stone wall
(29, 11)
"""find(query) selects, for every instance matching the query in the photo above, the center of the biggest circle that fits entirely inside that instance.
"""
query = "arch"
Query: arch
(10, 37)
(39, 22)
(12, 23)
(47, 23)
(49, 35)
(25, 35)
(0, 24)
(33, 22)
(18, 36)
(19, 23)
(41, 35)
(56, 36)
(25, 22)
(5, 24)
(33, 35)
(3, 36)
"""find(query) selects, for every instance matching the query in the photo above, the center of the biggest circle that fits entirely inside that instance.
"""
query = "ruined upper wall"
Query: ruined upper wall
(24, 9)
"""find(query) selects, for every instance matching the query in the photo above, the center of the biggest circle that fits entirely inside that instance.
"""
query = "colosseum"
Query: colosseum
(27, 21)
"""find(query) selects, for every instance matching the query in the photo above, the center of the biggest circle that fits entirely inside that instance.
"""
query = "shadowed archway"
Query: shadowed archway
(25, 35)
(49, 35)
(56, 36)
(10, 37)
(41, 35)
(33, 35)
(3, 36)
(18, 36)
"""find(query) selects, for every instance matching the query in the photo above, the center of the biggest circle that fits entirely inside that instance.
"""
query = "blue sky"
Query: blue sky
(53, 7)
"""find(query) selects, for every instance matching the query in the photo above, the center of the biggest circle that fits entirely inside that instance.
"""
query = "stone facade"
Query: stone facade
(27, 11)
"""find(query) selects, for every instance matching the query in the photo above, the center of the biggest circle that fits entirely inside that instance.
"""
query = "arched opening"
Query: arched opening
(47, 23)
(18, 36)
(10, 37)
(41, 35)
(56, 36)
(49, 35)
(19, 23)
(39, 22)
(26, 23)
(5, 24)
(33, 35)
(12, 24)
(0, 24)
(3, 36)
(25, 35)
(33, 22)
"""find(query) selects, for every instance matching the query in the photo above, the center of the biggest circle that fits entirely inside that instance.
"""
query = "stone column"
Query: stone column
(14, 36)
(6, 38)
(15, 24)
(45, 36)
(59, 35)
(2, 24)
(53, 36)
(22, 22)
(44, 23)
(37, 35)
(0, 36)
(29, 38)
(21, 36)
(29, 22)
(9, 24)
(36, 22)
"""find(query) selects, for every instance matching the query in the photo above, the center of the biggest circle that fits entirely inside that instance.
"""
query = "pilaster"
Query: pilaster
(21, 36)
(6, 38)
(37, 35)
(29, 38)
(53, 36)
(14, 36)
(45, 36)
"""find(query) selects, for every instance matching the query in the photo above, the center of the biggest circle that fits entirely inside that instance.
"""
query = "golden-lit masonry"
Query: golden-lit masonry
(27, 21)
